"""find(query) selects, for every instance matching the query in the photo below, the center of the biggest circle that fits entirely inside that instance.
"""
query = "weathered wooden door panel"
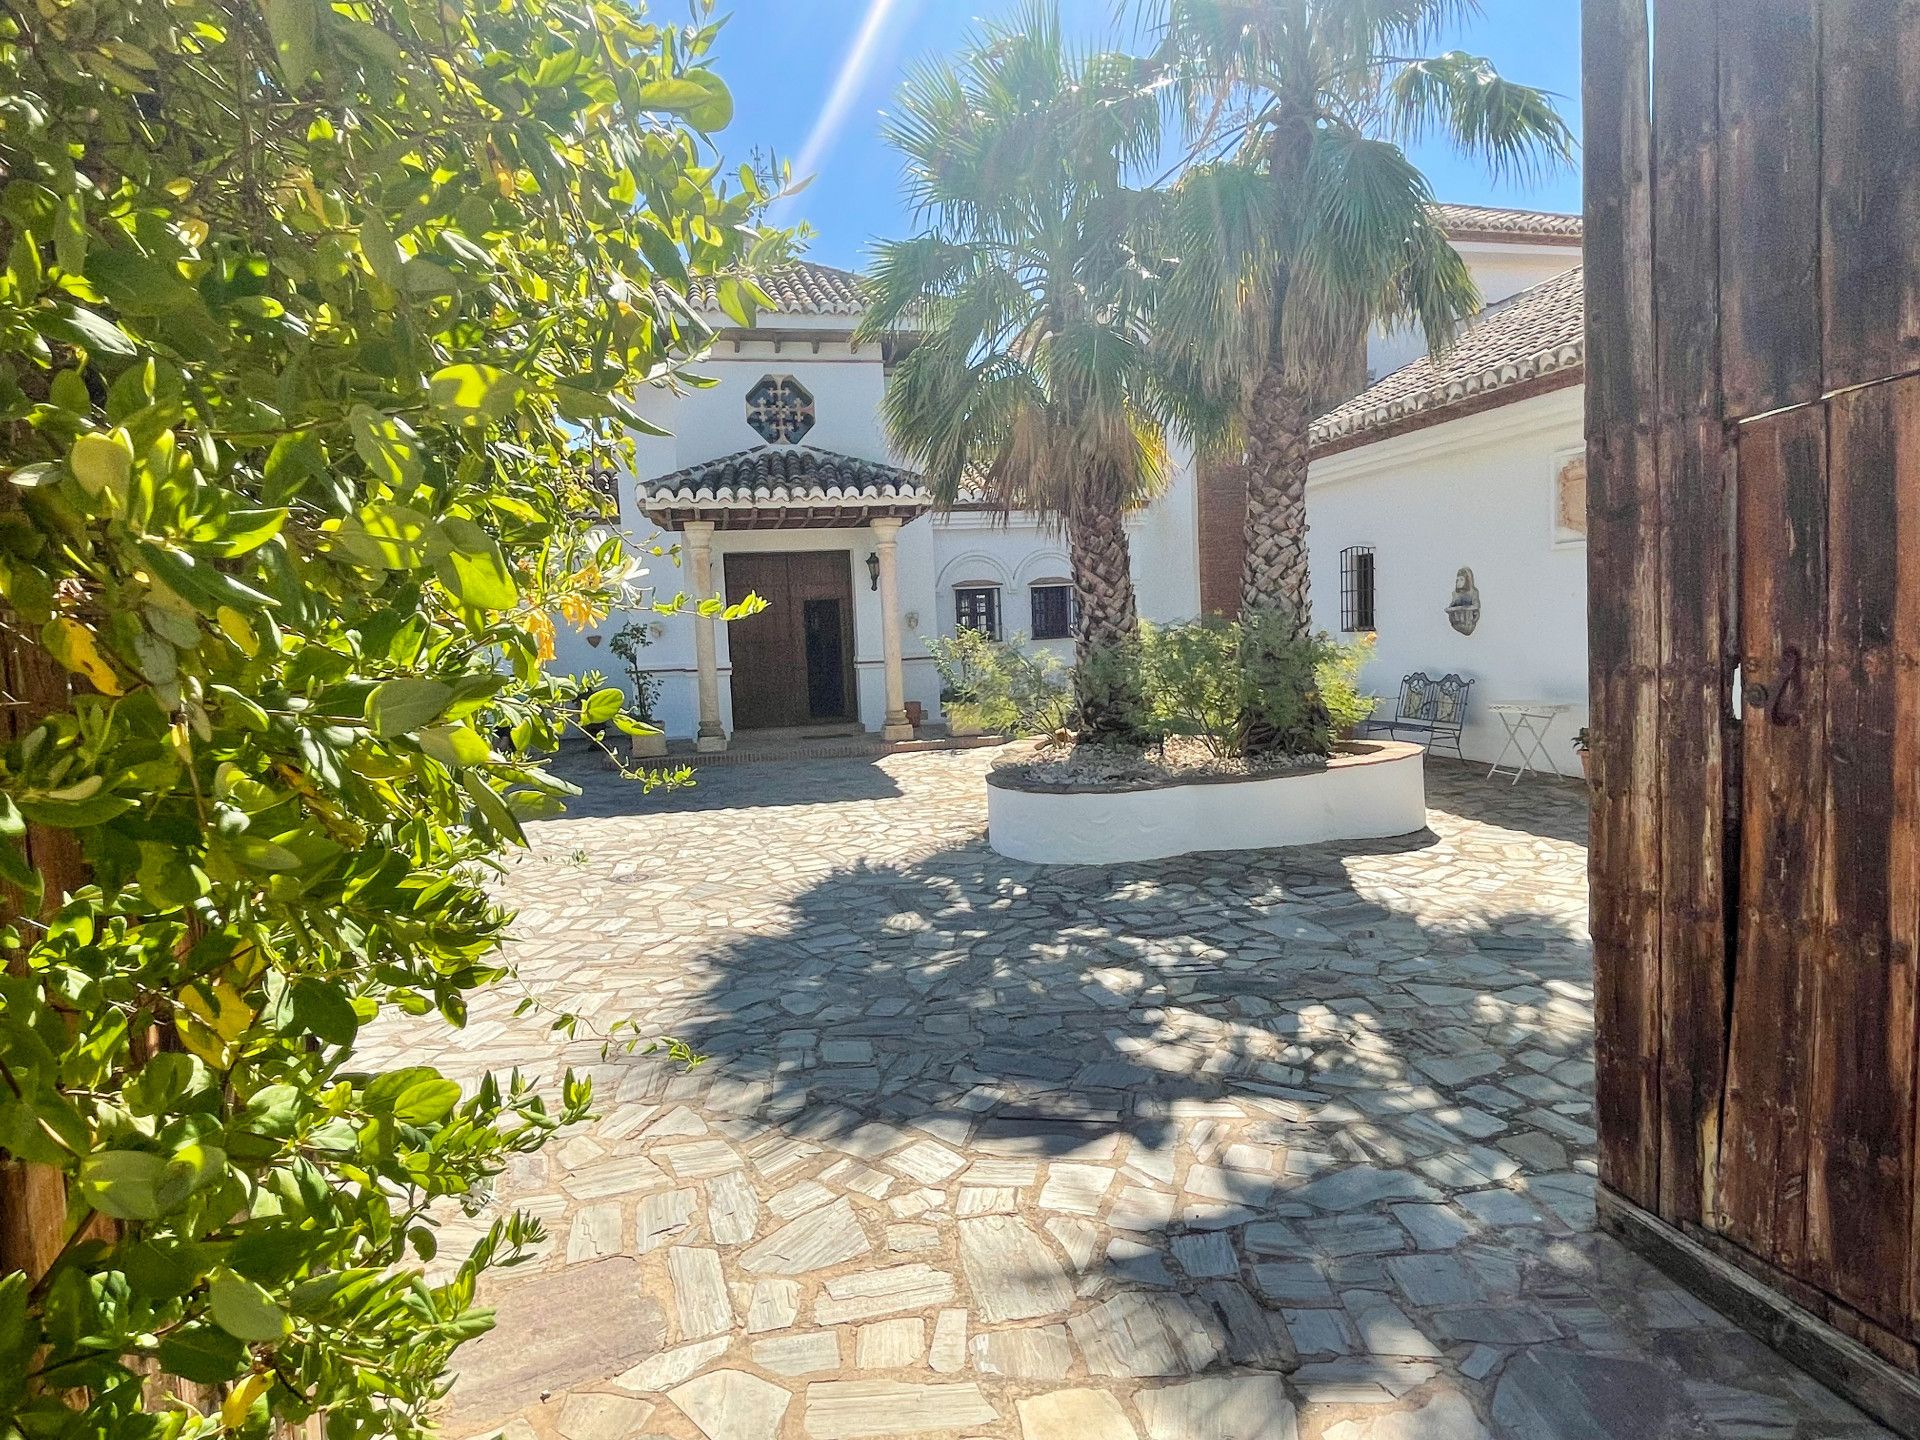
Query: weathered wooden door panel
(763, 648)
(1860, 1122)
(1623, 571)
(1769, 202)
(1783, 541)
(1870, 192)
(1695, 624)
(1817, 1167)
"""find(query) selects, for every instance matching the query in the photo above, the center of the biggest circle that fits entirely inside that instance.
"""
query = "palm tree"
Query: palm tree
(1301, 221)
(1030, 375)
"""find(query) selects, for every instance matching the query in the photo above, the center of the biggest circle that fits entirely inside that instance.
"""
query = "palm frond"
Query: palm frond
(1514, 128)
(1028, 282)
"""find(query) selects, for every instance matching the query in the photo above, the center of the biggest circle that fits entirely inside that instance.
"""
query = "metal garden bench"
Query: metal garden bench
(1433, 712)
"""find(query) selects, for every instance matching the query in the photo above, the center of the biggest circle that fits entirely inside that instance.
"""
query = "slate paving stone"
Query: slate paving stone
(816, 1240)
(668, 1368)
(1075, 1415)
(890, 1344)
(1230, 1143)
(1573, 1396)
(1429, 1280)
(855, 1409)
(1294, 1282)
(1205, 1256)
(812, 1352)
(700, 1303)
(1010, 1270)
(874, 1293)
(1448, 1416)
(1240, 1407)
(534, 1347)
(732, 1405)
(602, 1417)
(1031, 1353)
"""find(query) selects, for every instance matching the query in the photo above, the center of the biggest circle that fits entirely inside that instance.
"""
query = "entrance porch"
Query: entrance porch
(815, 536)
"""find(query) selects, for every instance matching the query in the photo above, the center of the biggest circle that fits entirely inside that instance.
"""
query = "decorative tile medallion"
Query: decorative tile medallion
(780, 410)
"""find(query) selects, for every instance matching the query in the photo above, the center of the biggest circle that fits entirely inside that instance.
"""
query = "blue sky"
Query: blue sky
(785, 60)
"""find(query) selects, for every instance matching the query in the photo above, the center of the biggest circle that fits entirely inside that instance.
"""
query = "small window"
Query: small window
(1570, 499)
(977, 607)
(1356, 588)
(1054, 611)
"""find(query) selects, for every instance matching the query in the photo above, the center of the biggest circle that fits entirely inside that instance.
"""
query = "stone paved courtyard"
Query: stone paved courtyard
(1238, 1147)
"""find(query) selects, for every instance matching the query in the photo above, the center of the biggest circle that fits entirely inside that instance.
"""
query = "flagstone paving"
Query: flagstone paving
(1289, 1145)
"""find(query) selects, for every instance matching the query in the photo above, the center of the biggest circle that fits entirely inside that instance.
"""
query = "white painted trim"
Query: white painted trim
(975, 567)
(1359, 797)
(1045, 565)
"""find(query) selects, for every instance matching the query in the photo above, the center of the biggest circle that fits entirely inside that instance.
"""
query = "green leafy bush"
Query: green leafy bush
(1338, 676)
(312, 316)
(1001, 687)
(1215, 681)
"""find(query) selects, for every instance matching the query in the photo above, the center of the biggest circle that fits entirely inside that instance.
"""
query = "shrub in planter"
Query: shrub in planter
(1216, 680)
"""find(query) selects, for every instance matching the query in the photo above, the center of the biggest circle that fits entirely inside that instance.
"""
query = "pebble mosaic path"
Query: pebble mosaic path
(1287, 1145)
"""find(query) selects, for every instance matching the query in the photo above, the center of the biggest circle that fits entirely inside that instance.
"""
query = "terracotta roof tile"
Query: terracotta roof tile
(771, 476)
(1534, 335)
(801, 288)
(1486, 222)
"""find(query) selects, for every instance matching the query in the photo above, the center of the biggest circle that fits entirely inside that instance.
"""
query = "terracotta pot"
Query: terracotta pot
(916, 713)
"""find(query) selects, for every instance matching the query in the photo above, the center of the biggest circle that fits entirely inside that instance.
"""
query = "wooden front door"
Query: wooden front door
(793, 662)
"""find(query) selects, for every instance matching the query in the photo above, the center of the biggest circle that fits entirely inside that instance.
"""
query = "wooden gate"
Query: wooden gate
(1753, 278)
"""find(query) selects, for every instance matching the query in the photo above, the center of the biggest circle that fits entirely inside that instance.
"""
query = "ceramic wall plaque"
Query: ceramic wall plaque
(1463, 610)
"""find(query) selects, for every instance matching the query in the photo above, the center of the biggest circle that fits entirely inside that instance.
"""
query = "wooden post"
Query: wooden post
(1624, 578)
(33, 1199)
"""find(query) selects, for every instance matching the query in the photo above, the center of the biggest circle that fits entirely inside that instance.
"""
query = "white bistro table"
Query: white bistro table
(1527, 726)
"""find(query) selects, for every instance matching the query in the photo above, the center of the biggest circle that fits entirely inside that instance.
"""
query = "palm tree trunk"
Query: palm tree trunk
(1273, 577)
(1274, 580)
(1105, 678)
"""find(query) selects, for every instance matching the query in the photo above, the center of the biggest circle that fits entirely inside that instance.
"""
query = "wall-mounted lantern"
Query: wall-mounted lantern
(873, 568)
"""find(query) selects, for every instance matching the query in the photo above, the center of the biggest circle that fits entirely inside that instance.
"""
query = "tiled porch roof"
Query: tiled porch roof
(784, 487)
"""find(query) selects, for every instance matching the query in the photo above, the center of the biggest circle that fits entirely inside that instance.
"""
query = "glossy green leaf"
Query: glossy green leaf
(399, 707)
(601, 706)
(123, 1183)
(245, 1311)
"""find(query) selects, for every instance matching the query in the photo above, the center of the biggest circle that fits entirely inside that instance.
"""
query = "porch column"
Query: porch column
(886, 542)
(699, 537)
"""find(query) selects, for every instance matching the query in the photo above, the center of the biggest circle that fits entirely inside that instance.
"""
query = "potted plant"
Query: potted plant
(1580, 744)
(643, 686)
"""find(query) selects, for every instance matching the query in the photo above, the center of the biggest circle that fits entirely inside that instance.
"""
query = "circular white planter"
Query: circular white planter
(1372, 789)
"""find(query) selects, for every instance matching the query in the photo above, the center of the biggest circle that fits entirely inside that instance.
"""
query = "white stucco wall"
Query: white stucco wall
(1476, 492)
(1018, 552)
(936, 553)
(1500, 270)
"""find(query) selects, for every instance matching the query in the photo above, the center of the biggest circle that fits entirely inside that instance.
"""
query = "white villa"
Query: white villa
(778, 479)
